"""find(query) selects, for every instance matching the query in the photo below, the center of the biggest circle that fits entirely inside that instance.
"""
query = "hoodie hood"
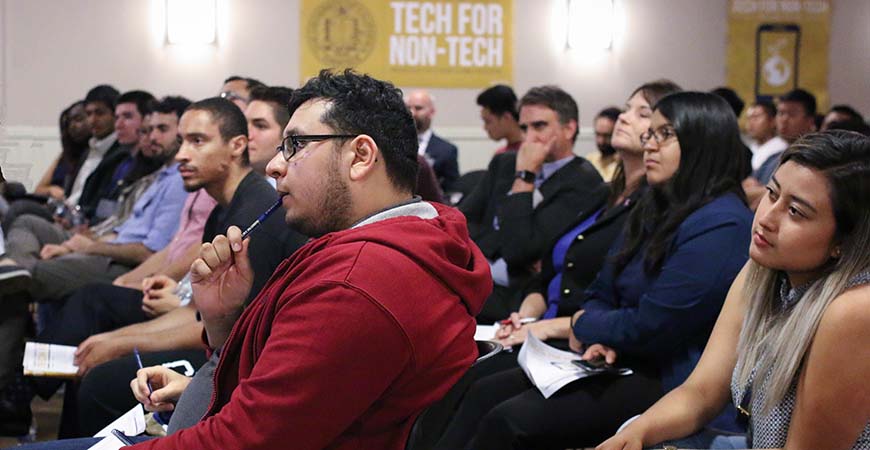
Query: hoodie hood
(435, 236)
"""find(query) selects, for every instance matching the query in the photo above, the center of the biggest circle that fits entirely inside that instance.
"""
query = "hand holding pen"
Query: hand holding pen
(221, 279)
(157, 388)
(222, 276)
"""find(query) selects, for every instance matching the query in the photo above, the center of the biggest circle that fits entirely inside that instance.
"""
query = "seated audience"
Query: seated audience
(238, 90)
(761, 128)
(841, 113)
(527, 198)
(74, 135)
(653, 304)
(790, 347)
(415, 338)
(573, 262)
(441, 154)
(118, 168)
(212, 156)
(795, 117)
(267, 114)
(498, 111)
(427, 186)
(606, 159)
(736, 103)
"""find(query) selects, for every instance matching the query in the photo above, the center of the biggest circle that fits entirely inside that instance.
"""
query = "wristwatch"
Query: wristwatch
(526, 175)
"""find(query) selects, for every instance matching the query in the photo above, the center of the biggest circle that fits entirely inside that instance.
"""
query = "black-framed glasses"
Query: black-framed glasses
(660, 135)
(297, 142)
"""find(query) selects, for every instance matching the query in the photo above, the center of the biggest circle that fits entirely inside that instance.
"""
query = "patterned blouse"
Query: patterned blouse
(771, 430)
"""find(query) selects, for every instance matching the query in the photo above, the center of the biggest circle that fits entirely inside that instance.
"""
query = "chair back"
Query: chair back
(421, 436)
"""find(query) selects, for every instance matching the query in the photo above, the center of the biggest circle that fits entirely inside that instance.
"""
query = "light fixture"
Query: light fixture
(590, 24)
(191, 21)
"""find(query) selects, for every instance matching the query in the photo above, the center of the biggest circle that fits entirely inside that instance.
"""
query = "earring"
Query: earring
(836, 253)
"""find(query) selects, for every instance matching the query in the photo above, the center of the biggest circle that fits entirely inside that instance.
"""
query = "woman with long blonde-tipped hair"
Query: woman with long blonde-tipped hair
(792, 344)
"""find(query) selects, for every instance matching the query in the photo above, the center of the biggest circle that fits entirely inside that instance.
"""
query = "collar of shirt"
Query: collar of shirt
(101, 146)
(423, 141)
(413, 207)
(772, 146)
(550, 168)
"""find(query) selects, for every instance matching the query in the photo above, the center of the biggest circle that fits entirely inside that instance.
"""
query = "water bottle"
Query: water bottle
(184, 290)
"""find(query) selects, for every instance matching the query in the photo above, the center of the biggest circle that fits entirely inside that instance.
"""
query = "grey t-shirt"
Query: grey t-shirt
(194, 400)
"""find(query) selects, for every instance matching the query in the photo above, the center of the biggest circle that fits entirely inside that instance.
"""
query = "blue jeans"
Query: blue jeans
(73, 444)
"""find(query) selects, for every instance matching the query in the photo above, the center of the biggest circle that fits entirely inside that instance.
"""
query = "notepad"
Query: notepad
(49, 360)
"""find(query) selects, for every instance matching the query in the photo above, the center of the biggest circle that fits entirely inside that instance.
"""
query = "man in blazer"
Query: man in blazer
(439, 153)
(527, 198)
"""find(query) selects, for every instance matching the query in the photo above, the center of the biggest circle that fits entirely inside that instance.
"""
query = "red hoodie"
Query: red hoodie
(352, 337)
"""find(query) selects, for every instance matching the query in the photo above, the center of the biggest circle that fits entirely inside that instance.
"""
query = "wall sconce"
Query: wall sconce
(590, 24)
(191, 21)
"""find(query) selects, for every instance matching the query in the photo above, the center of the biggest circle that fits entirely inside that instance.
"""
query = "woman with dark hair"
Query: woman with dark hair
(74, 135)
(653, 304)
(791, 345)
(574, 261)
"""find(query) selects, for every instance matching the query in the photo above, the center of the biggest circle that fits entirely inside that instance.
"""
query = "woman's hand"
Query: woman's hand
(596, 351)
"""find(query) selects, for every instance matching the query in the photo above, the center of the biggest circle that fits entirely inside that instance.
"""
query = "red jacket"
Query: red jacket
(352, 337)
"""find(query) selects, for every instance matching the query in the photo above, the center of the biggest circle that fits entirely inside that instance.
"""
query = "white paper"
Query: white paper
(485, 332)
(109, 442)
(132, 423)
(550, 369)
(49, 360)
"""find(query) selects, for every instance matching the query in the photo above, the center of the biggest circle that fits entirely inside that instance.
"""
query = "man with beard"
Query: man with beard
(214, 139)
(82, 259)
(439, 153)
(605, 161)
(363, 327)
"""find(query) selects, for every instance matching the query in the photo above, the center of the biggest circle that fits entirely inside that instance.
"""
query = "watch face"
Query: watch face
(527, 176)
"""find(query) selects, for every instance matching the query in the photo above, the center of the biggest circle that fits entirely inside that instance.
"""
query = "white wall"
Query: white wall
(54, 51)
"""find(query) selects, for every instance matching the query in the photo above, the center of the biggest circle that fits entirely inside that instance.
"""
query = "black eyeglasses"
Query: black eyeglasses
(297, 142)
(661, 135)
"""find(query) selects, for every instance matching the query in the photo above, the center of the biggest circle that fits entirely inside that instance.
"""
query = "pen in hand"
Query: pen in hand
(262, 217)
(158, 417)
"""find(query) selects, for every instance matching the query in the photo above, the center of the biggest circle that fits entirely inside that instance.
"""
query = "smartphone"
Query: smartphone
(777, 55)
(593, 365)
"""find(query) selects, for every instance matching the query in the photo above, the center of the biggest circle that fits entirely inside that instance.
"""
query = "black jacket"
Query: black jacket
(585, 256)
(525, 231)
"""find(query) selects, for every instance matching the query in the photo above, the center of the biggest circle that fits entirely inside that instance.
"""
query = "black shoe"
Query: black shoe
(15, 418)
(14, 279)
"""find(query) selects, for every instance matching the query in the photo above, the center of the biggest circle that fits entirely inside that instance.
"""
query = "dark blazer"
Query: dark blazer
(445, 161)
(584, 257)
(99, 182)
(525, 231)
(666, 317)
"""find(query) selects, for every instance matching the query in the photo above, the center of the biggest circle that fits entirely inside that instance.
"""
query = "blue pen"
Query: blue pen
(122, 437)
(262, 217)
(158, 417)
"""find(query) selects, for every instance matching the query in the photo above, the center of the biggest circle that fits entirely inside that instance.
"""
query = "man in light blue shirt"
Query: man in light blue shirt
(82, 260)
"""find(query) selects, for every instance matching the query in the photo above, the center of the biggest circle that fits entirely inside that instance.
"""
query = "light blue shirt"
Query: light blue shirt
(157, 213)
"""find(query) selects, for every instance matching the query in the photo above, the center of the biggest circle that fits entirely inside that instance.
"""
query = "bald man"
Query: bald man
(441, 154)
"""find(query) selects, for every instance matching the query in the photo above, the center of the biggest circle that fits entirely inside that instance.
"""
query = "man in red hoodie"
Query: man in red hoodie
(362, 328)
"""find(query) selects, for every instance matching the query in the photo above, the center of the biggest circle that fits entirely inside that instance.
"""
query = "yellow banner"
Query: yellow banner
(448, 43)
(775, 46)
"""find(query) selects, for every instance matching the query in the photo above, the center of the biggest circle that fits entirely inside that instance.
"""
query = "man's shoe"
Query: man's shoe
(13, 279)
